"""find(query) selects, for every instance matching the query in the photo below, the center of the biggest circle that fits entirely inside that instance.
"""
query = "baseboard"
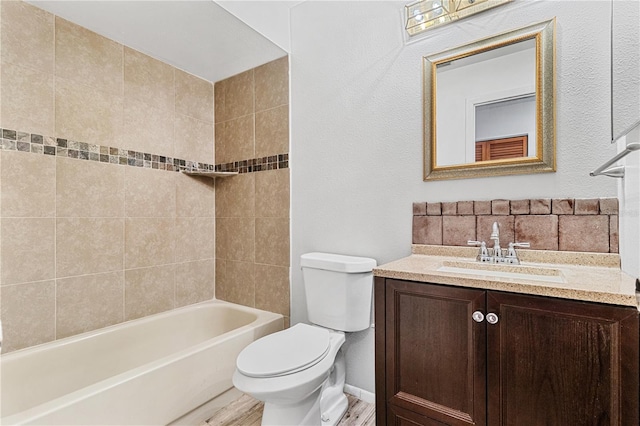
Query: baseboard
(362, 394)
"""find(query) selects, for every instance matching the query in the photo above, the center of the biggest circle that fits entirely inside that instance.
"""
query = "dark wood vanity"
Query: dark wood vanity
(539, 361)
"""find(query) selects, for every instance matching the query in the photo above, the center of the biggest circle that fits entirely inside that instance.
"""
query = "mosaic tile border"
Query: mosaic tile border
(13, 140)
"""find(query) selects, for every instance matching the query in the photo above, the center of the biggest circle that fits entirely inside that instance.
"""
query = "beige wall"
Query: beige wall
(90, 243)
(252, 209)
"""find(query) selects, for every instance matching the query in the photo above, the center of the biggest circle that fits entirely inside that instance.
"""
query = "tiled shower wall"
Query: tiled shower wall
(86, 244)
(586, 225)
(252, 209)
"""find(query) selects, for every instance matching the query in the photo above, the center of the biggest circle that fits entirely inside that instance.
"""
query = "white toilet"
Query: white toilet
(299, 372)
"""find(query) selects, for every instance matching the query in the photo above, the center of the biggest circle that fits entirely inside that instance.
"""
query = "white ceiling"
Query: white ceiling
(197, 36)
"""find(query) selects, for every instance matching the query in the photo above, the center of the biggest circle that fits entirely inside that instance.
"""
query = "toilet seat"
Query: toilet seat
(285, 352)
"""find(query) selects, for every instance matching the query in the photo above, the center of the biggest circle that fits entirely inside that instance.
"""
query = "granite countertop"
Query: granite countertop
(592, 277)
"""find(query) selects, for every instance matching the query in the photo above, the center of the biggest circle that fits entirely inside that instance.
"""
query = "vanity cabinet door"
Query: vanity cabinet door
(435, 355)
(561, 362)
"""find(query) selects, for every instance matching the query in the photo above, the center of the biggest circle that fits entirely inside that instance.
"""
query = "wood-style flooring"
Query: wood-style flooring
(247, 411)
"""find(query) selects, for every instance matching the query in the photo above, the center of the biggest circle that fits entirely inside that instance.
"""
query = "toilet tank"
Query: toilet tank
(338, 290)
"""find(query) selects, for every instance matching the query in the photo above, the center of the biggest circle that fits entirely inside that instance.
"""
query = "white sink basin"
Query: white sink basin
(531, 273)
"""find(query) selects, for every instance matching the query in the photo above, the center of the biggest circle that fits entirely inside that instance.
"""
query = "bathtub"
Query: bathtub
(165, 368)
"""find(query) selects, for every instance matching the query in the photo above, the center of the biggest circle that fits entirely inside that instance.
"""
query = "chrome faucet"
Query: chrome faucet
(496, 255)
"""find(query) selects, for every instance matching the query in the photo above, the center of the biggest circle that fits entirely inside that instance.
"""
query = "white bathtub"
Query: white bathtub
(149, 371)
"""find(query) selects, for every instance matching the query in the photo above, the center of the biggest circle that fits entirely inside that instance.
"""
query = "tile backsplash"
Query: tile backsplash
(568, 224)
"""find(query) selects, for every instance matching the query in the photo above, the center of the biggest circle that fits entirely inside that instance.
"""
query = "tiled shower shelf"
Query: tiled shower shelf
(209, 174)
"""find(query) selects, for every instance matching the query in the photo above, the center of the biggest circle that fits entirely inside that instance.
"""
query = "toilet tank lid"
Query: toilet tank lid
(337, 262)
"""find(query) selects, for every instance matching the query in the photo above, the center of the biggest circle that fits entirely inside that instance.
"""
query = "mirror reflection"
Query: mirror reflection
(489, 106)
(495, 90)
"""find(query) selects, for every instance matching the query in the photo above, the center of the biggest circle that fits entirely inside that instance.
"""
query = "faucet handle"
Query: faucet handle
(511, 251)
(474, 243)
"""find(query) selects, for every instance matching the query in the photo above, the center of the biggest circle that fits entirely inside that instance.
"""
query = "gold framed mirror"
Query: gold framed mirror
(489, 106)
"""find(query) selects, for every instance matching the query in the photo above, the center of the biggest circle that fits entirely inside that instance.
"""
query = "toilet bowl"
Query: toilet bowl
(310, 390)
(299, 372)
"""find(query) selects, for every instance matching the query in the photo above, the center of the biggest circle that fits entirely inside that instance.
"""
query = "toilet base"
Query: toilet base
(333, 402)
(324, 407)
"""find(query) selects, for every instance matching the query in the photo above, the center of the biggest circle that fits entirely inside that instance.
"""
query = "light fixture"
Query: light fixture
(426, 14)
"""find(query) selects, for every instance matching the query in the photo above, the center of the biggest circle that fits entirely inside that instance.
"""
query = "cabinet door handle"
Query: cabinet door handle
(478, 316)
(492, 318)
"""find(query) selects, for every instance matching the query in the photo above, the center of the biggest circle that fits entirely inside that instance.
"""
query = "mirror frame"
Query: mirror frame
(545, 159)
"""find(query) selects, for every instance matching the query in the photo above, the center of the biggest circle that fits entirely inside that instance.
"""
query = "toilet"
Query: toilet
(299, 372)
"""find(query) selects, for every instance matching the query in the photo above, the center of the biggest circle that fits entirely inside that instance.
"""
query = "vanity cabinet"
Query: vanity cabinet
(541, 360)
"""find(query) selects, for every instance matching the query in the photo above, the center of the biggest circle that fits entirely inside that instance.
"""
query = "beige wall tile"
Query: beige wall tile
(149, 193)
(272, 193)
(221, 280)
(449, 209)
(587, 206)
(195, 281)
(28, 314)
(27, 100)
(272, 288)
(235, 97)
(27, 36)
(457, 230)
(609, 206)
(149, 242)
(484, 227)
(562, 206)
(272, 241)
(240, 283)
(195, 196)
(88, 115)
(28, 185)
(88, 302)
(500, 207)
(272, 84)
(465, 207)
(540, 206)
(28, 250)
(519, 207)
(89, 189)
(419, 209)
(218, 101)
(235, 239)
(193, 139)
(149, 291)
(148, 80)
(434, 209)
(88, 246)
(272, 131)
(148, 129)
(235, 196)
(195, 238)
(614, 234)
(482, 208)
(235, 140)
(541, 231)
(572, 231)
(194, 97)
(87, 58)
(427, 230)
